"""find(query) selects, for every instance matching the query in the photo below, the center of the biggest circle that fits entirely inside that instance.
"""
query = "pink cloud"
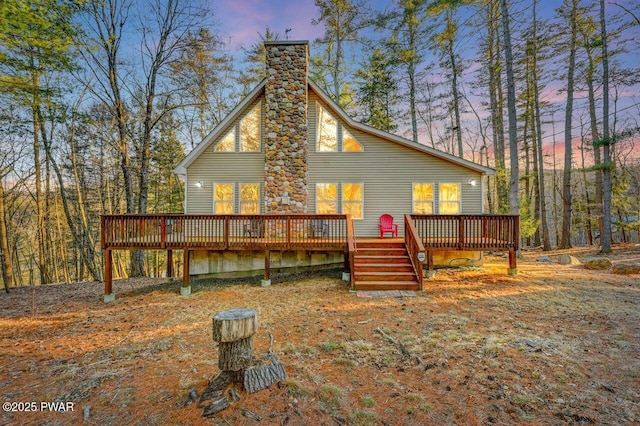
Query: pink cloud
(243, 20)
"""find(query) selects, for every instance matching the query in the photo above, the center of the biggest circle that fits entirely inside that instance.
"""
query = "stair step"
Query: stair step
(379, 245)
(383, 267)
(387, 276)
(381, 252)
(362, 259)
(386, 285)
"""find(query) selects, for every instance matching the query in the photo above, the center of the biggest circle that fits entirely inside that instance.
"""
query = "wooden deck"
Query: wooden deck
(423, 235)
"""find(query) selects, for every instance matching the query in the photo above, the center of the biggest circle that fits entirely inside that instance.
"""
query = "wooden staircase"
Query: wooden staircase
(383, 265)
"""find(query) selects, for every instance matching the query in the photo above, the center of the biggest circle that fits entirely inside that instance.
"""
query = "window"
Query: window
(449, 198)
(349, 143)
(327, 198)
(327, 131)
(223, 198)
(250, 131)
(353, 200)
(227, 144)
(423, 198)
(249, 198)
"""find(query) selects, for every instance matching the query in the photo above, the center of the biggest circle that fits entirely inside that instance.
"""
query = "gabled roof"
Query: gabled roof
(181, 168)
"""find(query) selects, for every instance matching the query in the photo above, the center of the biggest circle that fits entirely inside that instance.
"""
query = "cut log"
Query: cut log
(260, 377)
(235, 356)
(234, 324)
(240, 370)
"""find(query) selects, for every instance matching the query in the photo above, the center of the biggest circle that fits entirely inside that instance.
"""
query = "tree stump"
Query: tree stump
(240, 370)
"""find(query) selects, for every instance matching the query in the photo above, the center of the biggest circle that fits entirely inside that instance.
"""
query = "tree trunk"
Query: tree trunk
(514, 180)
(496, 106)
(605, 238)
(5, 254)
(234, 330)
(544, 227)
(40, 205)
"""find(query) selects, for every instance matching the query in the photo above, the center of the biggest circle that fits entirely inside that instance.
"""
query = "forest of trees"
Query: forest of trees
(100, 99)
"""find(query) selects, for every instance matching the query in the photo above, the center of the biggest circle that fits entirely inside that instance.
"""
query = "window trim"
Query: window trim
(433, 196)
(241, 202)
(236, 201)
(339, 135)
(342, 201)
(236, 128)
(233, 196)
(337, 200)
(440, 200)
(259, 107)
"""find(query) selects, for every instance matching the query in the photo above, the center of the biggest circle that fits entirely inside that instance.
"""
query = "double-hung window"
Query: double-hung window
(423, 198)
(449, 198)
(223, 197)
(340, 198)
(353, 200)
(236, 198)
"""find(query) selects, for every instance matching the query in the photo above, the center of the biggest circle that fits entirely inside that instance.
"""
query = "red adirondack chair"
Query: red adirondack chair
(387, 225)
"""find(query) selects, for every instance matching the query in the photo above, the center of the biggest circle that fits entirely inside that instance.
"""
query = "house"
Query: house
(287, 148)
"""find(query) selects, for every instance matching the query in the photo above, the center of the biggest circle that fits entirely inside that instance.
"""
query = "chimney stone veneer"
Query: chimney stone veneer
(286, 98)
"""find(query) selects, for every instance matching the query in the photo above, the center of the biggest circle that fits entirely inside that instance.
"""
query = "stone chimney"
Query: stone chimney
(286, 99)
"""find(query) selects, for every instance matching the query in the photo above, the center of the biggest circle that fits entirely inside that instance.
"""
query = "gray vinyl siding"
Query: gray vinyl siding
(388, 171)
(222, 167)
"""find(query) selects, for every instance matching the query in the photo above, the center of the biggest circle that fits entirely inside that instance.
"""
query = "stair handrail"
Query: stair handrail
(415, 248)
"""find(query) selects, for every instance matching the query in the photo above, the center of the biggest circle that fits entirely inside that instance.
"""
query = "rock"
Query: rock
(543, 259)
(597, 263)
(565, 259)
(626, 268)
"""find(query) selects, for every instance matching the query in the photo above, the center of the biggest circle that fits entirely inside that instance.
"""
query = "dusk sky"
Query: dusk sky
(241, 22)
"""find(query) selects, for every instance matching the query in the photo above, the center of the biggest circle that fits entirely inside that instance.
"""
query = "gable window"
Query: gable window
(353, 200)
(328, 130)
(423, 198)
(250, 131)
(223, 198)
(349, 143)
(247, 132)
(249, 198)
(327, 198)
(449, 198)
(228, 143)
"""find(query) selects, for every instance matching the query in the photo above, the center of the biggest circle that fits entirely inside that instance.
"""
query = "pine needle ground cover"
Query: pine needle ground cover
(555, 344)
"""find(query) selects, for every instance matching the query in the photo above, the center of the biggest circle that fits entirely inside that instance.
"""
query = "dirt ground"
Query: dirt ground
(553, 345)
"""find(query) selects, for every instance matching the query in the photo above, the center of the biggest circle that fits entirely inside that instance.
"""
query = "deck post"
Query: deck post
(346, 274)
(109, 296)
(170, 265)
(430, 271)
(266, 282)
(513, 270)
(185, 290)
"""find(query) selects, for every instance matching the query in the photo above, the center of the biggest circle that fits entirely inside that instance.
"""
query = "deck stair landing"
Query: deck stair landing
(383, 264)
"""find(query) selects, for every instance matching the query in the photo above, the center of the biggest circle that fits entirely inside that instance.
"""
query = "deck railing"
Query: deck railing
(468, 232)
(224, 232)
(415, 248)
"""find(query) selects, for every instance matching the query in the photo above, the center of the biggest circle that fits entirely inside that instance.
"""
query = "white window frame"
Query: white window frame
(258, 106)
(433, 196)
(440, 200)
(343, 201)
(236, 129)
(339, 134)
(337, 200)
(231, 201)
